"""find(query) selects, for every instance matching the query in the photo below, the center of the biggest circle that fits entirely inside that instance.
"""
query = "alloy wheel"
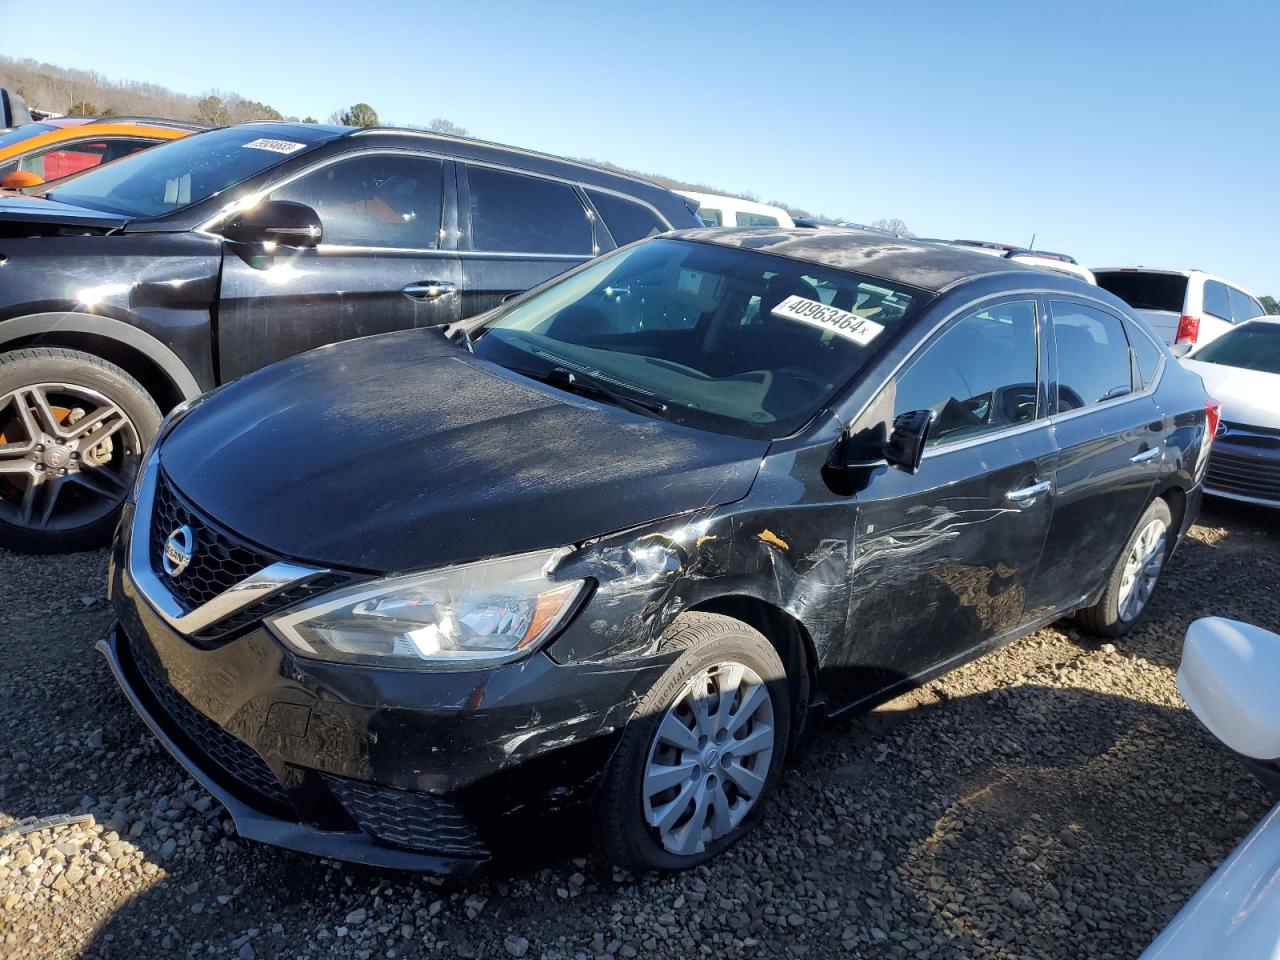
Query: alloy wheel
(68, 456)
(710, 758)
(1142, 569)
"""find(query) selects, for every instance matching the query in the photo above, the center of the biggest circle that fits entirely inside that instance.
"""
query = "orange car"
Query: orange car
(48, 150)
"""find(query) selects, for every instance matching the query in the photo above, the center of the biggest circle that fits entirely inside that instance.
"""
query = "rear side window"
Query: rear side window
(1145, 291)
(626, 219)
(754, 220)
(978, 377)
(521, 214)
(1217, 301)
(377, 200)
(1093, 356)
(1243, 306)
(1146, 355)
(711, 216)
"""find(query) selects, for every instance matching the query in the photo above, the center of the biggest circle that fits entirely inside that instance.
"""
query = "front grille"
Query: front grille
(237, 760)
(405, 818)
(219, 560)
(1246, 476)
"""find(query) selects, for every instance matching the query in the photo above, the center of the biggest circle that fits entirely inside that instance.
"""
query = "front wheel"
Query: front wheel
(702, 752)
(1134, 578)
(73, 429)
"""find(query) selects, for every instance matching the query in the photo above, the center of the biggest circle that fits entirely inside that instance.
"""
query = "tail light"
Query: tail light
(1188, 330)
(1212, 417)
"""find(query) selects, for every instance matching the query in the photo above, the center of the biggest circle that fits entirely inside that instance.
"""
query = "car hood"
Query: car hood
(404, 452)
(19, 209)
(1250, 397)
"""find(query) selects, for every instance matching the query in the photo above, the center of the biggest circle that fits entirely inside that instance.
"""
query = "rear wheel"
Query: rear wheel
(703, 751)
(73, 429)
(1135, 576)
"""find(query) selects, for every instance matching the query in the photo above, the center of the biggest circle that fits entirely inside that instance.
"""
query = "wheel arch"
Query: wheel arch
(148, 360)
(789, 637)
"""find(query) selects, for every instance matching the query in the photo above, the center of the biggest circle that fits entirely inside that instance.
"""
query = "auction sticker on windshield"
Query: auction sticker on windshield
(858, 329)
(275, 146)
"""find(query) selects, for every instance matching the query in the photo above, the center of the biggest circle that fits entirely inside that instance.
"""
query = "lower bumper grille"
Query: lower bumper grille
(1246, 476)
(237, 760)
(407, 819)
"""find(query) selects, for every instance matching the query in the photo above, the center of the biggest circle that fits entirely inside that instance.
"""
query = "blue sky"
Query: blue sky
(1120, 132)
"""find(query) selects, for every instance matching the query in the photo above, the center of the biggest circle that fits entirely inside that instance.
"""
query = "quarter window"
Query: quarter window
(978, 377)
(626, 219)
(1146, 355)
(376, 200)
(1243, 306)
(513, 212)
(754, 220)
(710, 217)
(1093, 356)
(1217, 301)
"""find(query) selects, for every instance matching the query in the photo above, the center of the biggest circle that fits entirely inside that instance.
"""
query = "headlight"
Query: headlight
(477, 614)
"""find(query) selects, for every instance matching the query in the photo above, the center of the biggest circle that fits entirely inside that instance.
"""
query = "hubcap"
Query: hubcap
(1142, 569)
(709, 759)
(67, 456)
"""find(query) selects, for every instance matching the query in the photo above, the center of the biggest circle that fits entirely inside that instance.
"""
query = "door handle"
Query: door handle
(430, 289)
(1145, 455)
(1023, 494)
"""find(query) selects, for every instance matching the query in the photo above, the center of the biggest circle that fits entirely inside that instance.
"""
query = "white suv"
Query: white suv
(1186, 307)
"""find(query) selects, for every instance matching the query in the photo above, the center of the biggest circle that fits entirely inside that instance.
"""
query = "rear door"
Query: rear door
(518, 230)
(1111, 438)
(944, 557)
(384, 262)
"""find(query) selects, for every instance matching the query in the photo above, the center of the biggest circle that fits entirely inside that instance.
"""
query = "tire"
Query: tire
(73, 429)
(1114, 614)
(712, 650)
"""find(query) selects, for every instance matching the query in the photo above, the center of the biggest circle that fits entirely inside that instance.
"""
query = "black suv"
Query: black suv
(146, 282)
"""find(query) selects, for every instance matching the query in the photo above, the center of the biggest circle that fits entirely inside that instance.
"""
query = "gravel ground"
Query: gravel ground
(1054, 799)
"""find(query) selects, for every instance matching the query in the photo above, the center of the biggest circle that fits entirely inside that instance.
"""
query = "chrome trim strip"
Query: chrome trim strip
(975, 441)
(1243, 498)
(259, 586)
(516, 254)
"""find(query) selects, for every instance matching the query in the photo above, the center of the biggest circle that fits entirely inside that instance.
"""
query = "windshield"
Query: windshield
(1253, 346)
(181, 172)
(725, 339)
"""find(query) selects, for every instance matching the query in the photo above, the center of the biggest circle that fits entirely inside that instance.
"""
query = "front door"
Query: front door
(380, 266)
(517, 231)
(1111, 439)
(944, 558)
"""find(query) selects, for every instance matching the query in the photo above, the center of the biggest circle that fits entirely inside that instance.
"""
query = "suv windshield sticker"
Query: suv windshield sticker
(275, 146)
(858, 329)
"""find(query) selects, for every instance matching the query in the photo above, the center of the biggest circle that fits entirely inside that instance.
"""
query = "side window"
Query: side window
(1243, 306)
(1093, 356)
(64, 159)
(711, 217)
(626, 219)
(1217, 302)
(754, 220)
(376, 200)
(978, 377)
(1146, 355)
(513, 212)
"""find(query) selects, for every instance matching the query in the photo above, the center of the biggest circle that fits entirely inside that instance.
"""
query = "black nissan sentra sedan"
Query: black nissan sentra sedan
(621, 542)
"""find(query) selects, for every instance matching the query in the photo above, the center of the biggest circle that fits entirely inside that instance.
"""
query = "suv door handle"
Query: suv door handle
(1145, 455)
(1022, 494)
(430, 289)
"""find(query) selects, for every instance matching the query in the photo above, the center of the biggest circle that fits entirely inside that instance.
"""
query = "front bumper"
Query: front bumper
(392, 768)
(1244, 465)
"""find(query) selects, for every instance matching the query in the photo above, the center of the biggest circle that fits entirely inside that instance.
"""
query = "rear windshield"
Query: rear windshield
(179, 173)
(1146, 291)
(1253, 346)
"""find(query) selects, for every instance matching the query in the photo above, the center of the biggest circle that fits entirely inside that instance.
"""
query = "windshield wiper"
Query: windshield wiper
(583, 383)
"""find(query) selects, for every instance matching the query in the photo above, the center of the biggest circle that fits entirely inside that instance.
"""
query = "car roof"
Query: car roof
(926, 266)
(67, 122)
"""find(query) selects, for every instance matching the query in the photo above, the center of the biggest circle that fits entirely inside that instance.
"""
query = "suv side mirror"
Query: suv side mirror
(275, 221)
(1227, 676)
(905, 446)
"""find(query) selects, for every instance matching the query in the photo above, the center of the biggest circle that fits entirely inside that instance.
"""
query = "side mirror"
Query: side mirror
(1228, 676)
(275, 221)
(905, 447)
(19, 179)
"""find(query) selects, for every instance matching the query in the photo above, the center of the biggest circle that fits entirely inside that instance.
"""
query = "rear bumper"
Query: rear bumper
(255, 824)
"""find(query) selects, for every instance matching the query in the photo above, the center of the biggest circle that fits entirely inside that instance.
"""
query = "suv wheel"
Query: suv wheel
(703, 751)
(1134, 577)
(73, 429)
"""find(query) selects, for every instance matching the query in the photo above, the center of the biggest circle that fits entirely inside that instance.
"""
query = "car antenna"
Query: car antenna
(1032, 245)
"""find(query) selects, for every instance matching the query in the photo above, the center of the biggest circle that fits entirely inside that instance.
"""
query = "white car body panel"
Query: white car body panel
(730, 207)
(1250, 397)
(1165, 322)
